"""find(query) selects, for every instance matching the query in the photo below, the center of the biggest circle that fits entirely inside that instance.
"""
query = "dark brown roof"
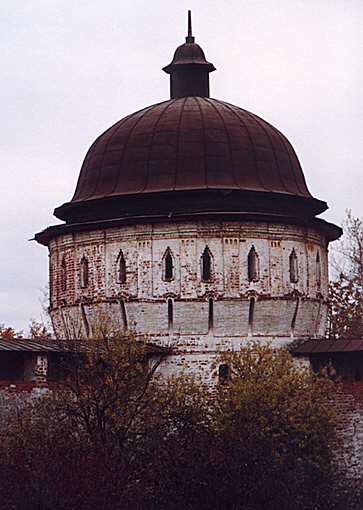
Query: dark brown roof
(189, 144)
(191, 157)
(329, 346)
(51, 345)
(26, 344)
(189, 53)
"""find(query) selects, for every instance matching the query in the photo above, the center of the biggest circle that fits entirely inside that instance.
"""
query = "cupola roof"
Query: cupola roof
(188, 156)
(189, 144)
(189, 54)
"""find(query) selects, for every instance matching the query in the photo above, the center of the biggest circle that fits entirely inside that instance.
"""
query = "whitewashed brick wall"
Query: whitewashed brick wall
(282, 310)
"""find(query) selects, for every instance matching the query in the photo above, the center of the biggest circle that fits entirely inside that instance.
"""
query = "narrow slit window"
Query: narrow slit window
(223, 373)
(318, 270)
(210, 315)
(251, 313)
(123, 314)
(170, 314)
(84, 273)
(121, 268)
(63, 274)
(294, 274)
(168, 265)
(206, 265)
(85, 321)
(253, 265)
(293, 320)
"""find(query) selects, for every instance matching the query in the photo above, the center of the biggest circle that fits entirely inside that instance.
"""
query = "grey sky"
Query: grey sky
(71, 68)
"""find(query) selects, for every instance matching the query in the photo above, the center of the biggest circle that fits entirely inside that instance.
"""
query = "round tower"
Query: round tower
(191, 224)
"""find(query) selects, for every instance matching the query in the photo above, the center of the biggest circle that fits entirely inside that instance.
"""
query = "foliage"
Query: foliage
(8, 332)
(346, 291)
(279, 424)
(39, 330)
(345, 308)
(117, 436)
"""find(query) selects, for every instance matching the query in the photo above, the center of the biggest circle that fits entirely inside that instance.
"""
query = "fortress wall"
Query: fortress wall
(281, 308)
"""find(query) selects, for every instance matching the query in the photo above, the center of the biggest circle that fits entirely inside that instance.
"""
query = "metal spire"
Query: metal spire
(189, 38)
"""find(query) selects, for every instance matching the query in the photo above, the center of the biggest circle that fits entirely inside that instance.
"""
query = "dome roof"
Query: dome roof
(190, 154)
(189, 53)
(192, 143)
(190, 158)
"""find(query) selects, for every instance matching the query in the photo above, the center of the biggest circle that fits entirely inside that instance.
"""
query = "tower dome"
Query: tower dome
(193, 154)
(190, 155)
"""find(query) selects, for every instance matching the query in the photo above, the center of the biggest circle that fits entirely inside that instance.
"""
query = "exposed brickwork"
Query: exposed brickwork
(281, 310)
(350, 407)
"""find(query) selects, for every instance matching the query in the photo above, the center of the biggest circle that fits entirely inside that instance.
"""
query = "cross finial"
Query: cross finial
(189, 38)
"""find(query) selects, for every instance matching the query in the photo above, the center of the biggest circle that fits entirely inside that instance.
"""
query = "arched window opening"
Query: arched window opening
(63, 275)
(170, 314)
(121, 268)
(294, 274)
(318, 270)
(206, 265)
(84, 273)
(210, 315)
(223, 373)
(168, 268)
(253, 265)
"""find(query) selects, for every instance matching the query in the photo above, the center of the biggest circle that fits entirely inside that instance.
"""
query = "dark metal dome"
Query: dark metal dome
(190, 158)
(190, 155)
(189, 53)
(189, 144)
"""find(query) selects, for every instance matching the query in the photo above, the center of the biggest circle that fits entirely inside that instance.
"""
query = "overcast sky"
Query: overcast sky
(71, 68)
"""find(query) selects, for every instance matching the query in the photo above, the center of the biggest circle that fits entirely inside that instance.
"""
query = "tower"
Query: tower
(191, 224)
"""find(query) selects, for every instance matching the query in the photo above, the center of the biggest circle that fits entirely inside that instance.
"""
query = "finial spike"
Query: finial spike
(189, 38)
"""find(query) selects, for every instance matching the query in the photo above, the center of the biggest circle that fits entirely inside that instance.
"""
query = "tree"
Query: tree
(278, 431)
(345, 318)
(8, 332)
(93, 443)
(39, 330)
(118, 436)
(72, 440)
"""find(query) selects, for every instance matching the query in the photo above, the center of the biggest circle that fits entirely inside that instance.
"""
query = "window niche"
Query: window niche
(84, 273)
(251, 315)
(206, 265)
(318, 270)
(210, 315)
(121, 268)
(224, 373)
(293, 267)
(170, 315)
(63, 274)
(168, 266)
(253, 265)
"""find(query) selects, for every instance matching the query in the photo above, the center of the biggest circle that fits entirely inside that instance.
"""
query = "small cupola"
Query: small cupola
(189, 69)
